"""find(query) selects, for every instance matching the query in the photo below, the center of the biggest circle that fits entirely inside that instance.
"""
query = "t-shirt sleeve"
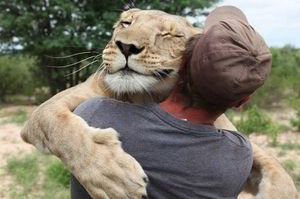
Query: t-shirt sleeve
(88, 108)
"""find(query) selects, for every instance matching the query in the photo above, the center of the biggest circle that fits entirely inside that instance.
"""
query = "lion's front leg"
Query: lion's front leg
(97, 160)
(55, 111)
(94, 156)
(268, 179)
(274, 182)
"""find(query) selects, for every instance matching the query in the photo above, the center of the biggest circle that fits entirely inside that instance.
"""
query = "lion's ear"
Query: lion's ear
(133, 10)
(129, 12)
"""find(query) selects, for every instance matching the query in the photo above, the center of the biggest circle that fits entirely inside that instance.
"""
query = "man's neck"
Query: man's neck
(174, 105)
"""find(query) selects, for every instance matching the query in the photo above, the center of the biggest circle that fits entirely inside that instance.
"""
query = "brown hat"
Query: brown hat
(230, 60)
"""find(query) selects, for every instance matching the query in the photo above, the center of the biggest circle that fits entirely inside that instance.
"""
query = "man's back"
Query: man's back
(182, 160)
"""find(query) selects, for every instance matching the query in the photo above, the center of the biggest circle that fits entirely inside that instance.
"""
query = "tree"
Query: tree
(15, 74)
(64, 27)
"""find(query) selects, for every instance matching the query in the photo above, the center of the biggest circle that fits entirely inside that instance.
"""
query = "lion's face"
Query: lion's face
(144, 54)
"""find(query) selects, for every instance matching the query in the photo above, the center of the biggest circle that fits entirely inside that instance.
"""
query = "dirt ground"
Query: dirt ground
(11, 144)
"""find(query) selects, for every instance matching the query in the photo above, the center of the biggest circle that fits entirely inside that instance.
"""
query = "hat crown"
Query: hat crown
(230, 60)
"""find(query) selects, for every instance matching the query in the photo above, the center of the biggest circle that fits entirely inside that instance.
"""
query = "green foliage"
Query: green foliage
(296, 121)
(58, 173)
(25, 172)
(33, 181)
(15, 74)
(293, 170)
(41, 94)
(19, 117)
(180, 7)
(290, 146)
(284, 81)
(63, 27)
(290, 165)
(254, 120)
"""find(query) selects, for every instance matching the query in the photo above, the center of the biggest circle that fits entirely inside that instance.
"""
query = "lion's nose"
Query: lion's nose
(128, 49)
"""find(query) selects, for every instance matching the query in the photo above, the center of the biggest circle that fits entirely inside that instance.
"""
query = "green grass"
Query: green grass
(24, 170)
(290, 165)
(295, 122)
(37, 176)
(18, 117)
(292, 168)
(289, 146)
(253, 120)
(57, 173)
(296, 178)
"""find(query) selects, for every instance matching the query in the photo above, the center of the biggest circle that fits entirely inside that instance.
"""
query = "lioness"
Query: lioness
(140, 64)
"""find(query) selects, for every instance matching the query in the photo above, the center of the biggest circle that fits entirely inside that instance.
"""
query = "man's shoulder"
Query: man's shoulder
(100, 106)
(237, 139)
(89, 105)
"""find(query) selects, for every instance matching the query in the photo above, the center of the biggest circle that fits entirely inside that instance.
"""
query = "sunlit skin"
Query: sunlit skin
(175, 105)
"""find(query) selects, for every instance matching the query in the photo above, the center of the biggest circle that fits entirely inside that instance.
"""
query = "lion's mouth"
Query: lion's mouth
(160, 74)
(128, 71)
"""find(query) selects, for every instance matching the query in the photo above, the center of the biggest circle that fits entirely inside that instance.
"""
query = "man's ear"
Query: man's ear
(241, 102)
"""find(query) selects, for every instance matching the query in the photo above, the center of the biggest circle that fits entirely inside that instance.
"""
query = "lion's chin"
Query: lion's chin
(130, 83)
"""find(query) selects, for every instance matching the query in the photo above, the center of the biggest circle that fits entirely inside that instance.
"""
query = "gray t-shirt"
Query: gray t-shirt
(181, 159)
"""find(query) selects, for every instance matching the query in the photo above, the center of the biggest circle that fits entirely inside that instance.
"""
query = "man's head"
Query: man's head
(227, 63)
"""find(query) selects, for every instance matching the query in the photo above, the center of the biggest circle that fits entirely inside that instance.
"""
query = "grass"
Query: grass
(18, 117)
(290, 165)
(296, 121)
(289, 146)
(293, 170)
(253, 120)
(57, 173)
(37, 176)
(25, 172)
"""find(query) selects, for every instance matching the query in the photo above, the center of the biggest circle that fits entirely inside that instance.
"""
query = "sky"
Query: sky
(278, 21)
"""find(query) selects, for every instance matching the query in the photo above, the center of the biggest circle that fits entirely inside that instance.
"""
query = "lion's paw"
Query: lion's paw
(112, 173)
(105, 136)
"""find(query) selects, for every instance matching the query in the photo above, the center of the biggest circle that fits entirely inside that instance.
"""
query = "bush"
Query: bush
(41, 94)
(15, 74)
(19, 117)
(31, 180)
(253, 120)
(296, 121)
(24, 170)
(58, 173)
(283, 81)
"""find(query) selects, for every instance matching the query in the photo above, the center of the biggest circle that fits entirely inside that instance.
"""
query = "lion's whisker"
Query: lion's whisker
(81, 68)
(68, 65)
(72, 55)
(100, 71)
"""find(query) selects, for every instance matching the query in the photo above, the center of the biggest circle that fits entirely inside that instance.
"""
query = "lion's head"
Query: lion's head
(144, 54)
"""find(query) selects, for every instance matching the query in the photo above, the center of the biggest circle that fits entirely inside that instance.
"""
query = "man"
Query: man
(181, 151)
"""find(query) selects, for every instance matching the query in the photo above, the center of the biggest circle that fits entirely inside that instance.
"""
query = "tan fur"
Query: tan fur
(95, 156)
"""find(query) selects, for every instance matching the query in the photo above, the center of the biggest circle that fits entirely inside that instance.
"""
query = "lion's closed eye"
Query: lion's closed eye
(166, 34)
(125, 24)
